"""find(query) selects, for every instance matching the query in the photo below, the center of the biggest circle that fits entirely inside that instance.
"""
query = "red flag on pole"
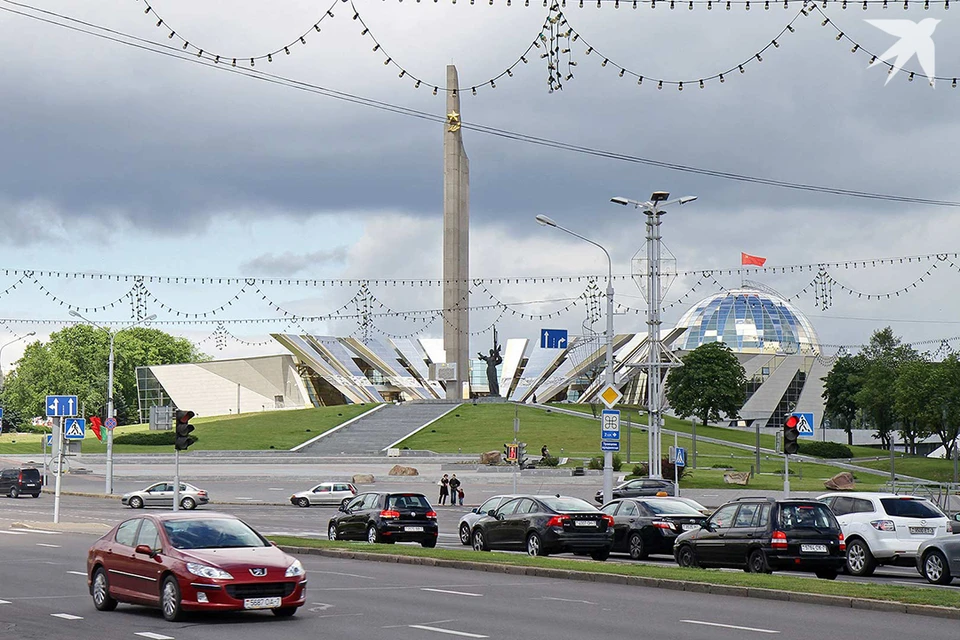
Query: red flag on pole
(95, 427)
(746, 258)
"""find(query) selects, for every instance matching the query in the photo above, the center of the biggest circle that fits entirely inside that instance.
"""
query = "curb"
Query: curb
(640, 581)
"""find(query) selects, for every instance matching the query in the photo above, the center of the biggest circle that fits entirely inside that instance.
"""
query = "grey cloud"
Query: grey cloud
(289, 263)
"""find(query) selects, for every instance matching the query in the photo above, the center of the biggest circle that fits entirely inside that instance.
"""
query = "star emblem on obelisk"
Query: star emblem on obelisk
(453, 120)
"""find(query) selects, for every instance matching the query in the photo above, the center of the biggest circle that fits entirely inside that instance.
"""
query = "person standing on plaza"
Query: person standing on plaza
(454, 489)
(444, 488)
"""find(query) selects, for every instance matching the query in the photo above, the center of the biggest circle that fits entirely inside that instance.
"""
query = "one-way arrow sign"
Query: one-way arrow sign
(61, 406)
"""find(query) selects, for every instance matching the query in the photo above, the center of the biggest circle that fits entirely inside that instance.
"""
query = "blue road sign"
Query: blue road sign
(553, 338)
(806, 424)
(50, 440)
(610, 424)
(74, 428)
(1, 413)
(681, 454)
(62, 406)
(609, 445)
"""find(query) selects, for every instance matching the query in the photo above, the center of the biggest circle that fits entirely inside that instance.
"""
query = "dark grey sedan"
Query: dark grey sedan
(639, 488)
(938, 559)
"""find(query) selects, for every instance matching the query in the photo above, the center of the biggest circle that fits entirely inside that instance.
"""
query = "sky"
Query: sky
(120, 160)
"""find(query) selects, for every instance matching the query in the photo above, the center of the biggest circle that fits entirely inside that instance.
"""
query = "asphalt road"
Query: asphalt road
(43, 595)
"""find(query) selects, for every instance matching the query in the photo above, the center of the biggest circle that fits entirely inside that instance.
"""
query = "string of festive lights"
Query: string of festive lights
(878, 296)
(63, 303)
(526, 316)
(13, 287)
(709, 4)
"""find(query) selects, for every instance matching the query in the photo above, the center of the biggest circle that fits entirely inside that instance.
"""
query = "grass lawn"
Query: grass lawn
(779, 582)
(917, 466)
(250, 431)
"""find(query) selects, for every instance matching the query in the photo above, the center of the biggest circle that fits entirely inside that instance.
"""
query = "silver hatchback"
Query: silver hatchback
(325, 493)
(161, 495)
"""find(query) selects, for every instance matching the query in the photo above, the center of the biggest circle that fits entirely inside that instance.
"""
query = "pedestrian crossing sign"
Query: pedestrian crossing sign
(805, 424)
(74, 428)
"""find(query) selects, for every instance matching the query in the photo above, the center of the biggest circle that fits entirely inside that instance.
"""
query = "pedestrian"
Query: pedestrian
(444, 488)
(454, 486)
(460, 495)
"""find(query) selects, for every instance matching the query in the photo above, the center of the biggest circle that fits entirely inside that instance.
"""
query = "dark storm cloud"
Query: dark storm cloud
(289, 263)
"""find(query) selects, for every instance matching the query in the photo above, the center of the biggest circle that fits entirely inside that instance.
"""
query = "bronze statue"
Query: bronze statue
(492, 361)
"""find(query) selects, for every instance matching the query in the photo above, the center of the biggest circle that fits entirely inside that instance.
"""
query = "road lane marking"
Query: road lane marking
(349, 575)
(456, 593)
(52, 546)
(275, 489)
(66, 616)
(564, 600)
(729, 626)
(152, 635)
(44, 532)
(78, 573)
(13, 533)
(451, 632)
(4, 602)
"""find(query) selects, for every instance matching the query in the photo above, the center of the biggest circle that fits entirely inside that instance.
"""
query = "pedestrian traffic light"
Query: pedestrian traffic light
(510, 452)
(790, 435)
(183, 426)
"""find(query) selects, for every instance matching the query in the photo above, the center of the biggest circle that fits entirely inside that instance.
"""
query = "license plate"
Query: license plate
(413, 528)
(261, 603)
(30, 485)
(922, 531)
(690, 527)
(813, 548)
(585, 523)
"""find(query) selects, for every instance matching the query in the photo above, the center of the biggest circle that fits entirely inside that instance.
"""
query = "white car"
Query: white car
(884, 528)
(469, 519)
(325, 493)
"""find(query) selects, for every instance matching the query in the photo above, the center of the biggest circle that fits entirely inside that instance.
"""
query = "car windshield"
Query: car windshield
(30, 474)
(408, 501)
(910, 508)
(567, 505)
(807, 516)
(212, 533)
(671, 507)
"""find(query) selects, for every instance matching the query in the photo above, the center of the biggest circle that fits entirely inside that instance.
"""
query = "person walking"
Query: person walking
(444, 488)
(454, 489)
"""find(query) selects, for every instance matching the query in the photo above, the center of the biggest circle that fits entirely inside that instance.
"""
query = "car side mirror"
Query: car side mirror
(273, 543)
(492, 512)
(475, 510)
(342, 508)
(956, 516)
(706, 525)
(144, 549)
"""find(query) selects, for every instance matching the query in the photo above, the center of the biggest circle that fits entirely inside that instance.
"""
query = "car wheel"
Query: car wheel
(479, 541)
(136, 502)
(36, 495)
(284, 612)
(686, 557)
(827, 574)
(860, 562)
(101, 592)
(600, 554)
(465, 533)
(935, 568)
(14, 492)
(535, 545)
(303, 502)
(189, 504)
(757, 562)
(637, 550)
(170, 600)
(373, 536)
(428, 543)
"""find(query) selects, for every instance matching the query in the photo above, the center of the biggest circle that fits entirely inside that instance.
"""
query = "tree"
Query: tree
(840, 388)
(711, 382)
(916, 401)
(946, 404)
(75, 362)
(883, 356)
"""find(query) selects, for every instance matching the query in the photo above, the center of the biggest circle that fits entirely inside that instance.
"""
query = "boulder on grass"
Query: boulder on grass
(362, 478)
(400, 470)
(490, 457)
(737, 477)
(841, 482)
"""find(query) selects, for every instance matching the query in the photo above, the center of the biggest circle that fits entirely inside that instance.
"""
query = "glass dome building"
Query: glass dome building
(751, 319)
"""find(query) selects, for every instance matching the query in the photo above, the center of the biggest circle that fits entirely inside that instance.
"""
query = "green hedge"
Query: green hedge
(597, 462)
(149, 438)
(825, 449)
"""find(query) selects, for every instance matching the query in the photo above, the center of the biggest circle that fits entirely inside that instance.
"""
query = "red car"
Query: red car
(193, 562)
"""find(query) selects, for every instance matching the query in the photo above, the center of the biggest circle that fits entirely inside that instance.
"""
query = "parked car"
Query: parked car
(687, 501)
(938, 559)
(465, 527)
(650, 525)
(637, 488)
(20, 480)
(160, 494)
(884, 528)
(386, 517)
(542, 525)
(183, 562)
(325, 493)
(761, 535)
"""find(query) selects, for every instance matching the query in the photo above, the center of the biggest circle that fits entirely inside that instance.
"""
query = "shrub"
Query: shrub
(617, 462)
(825, 449)
(640, 469)
(550, 461)
(150, 438)
(667, 469)
(595, 463)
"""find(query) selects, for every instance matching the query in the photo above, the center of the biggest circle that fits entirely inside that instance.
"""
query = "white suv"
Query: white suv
(884, 528)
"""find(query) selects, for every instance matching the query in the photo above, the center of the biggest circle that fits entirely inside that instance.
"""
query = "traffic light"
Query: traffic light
(790, 435)
(522, 453)
(510, 452)
(183, 426)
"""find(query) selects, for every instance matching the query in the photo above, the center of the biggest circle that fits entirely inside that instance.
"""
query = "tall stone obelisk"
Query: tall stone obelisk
(456, 241)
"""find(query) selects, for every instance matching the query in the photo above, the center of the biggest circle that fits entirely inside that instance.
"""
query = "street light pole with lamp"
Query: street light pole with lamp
(652, 209)
(32, 333)
(608, 371)
(110, 408)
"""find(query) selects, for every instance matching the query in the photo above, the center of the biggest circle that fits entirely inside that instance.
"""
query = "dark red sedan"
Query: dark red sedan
(190, 562)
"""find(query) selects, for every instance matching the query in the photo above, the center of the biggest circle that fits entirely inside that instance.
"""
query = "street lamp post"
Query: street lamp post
(608, 372)
(652, 210)
(110, 408)
(32, 333)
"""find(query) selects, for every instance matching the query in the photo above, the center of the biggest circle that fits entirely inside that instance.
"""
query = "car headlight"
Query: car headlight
(204, 571)
(294, 570)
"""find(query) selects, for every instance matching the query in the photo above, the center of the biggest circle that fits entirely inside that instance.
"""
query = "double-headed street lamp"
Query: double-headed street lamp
(652, 209)
(32, 333)
(110, 408)
(608, 372)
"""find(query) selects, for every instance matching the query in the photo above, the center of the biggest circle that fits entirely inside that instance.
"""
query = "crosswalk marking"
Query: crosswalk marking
(153, 636)
(52, 546)
(66, 616)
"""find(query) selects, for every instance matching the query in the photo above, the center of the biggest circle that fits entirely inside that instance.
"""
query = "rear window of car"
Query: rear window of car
(408, 501)
(671, 507)
(30, 474)
(567, 505)
(910, 508)
(212, 533)
(807, 516)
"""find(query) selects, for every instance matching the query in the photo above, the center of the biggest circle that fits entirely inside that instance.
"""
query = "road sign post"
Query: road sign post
(58, 438)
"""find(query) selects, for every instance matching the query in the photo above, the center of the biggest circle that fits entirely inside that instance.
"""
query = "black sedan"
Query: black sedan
(650, 525)
(542, 525)
(638, 488)
(387, 518)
